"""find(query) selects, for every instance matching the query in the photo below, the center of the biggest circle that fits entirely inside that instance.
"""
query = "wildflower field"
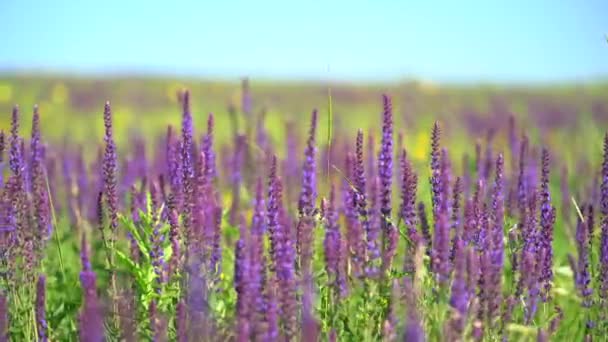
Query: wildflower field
(156, 210)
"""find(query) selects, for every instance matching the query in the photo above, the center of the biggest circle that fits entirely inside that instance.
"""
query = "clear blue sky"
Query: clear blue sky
(499, 41)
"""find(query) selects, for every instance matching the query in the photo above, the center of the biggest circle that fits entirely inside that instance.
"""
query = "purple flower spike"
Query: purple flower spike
(459, 299)
(91, 321)
(110, 167)
(604, 229)
(308, 197)
(497, 244)
(435, 164)
(582, 274)
(358, 172)
(181, 331)
(385, 174)
(547, 221)
(2, 148)
(441, 240)
(333, 247)
(455, 227)
(242, 274)
(41, 325)
(409, 184)
(207, 149)
(15, 161)
(425, 228)
(355, 236)
(187, 161)
(39, 189)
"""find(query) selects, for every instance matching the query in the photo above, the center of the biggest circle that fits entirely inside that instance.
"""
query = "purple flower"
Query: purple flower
(174, 262)
(435, 165)
(237, 178)
(333, 247)
(310, 327)
(91, 321)
(547, 221)
(582, 272)
(181, 331)
(413, 328)
(308, 194)
(41, 325)
(409, 184)
(283, 252)
(15, 158)
(459, 299)
(38, 181)
(542, 336)
(308, 197)
(272, 312)
(207, 149)
(110, 166)
(2, 148)
(257, 263)
(157, 252)
(425, 228)
(359, 197)
(174, 169)
(455, 217)
(385, 174)
(187, 161)
(441, 240)
(272, 212)
(603, 279)
(355, 236)
(497, 236)
(242, 274)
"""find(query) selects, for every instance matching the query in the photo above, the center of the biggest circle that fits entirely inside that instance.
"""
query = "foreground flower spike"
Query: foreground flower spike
(522, 203)
(355, 236)
(333, 247)
(604, 230)
(91, 327)
(39, 189)
(110, 182)
(497, 244)
(582, 275)
(2, 148)
(308, 196)
(174, 169)
(15, 149)
(110, 167)
(435, 164)
(547, 221)
(360, 198)
(425, 228)
(207, 149)
(272, 213)
(181, 328)
(385, 174)
(459, 297)
(409, 184)
(441, 240)
(187, 161)
(242, 274)
(237, 176)
(41, 325)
